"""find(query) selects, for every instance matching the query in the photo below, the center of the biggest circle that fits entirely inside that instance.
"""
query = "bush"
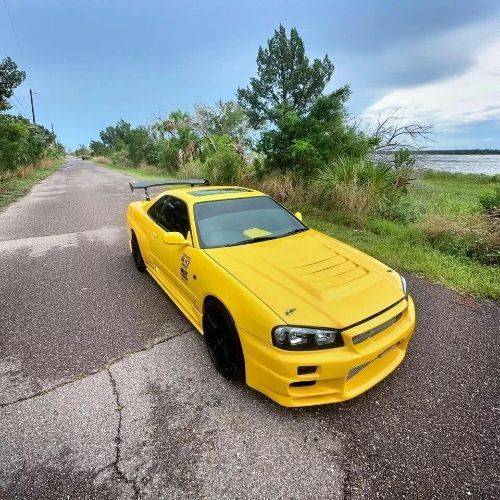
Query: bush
(403, 209)
(490, 202)
(22, 143)
(224, 166)
(83, 152)
(13, 134)
(258, 166)
(476, 236)
(119, 157)
(377, 176)
(163, 154)
(404, 166)
(169, 159)
(103, 159)
(283, 187)
(191, 170)
(98, 148)
(138, 145)
(358, 187)
(356, 200)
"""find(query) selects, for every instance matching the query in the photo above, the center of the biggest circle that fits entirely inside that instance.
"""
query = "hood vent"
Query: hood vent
(326, 270)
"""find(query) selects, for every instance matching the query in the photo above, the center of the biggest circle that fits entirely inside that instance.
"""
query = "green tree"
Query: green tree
(224, 119)
(328, 130)
(138, 144)
(286, 80)
(98, 148)
(165, 155)
(10, 78)
(82, 151)
(224, 165)
(305, 128)
(182, 134)
(38, 143)
(14, 133)
(115, 137)
(22, 143)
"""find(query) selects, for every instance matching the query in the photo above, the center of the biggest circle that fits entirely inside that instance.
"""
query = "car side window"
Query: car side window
(171, 214)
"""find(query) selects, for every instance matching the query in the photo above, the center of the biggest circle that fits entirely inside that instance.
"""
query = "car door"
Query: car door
(171, 261)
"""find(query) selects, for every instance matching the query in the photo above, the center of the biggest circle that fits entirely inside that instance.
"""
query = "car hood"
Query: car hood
(323, 281)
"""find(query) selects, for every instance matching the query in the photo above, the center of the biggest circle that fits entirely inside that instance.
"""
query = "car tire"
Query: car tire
(137, 255)
(223, 342)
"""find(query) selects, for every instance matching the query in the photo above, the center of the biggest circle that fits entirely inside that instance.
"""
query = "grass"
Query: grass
(446, 193)
(23, 179)
(147, 173)
(402, 246)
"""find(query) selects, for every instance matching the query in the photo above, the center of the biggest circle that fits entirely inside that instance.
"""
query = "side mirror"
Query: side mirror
(298, 215)
(174, 238)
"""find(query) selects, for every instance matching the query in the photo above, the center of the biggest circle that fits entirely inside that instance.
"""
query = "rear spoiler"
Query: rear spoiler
(170, 182)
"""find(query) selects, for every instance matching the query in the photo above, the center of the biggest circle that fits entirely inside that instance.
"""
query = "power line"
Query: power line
(21, 52)
(20, 47)
(20, 103)
(13, 30)
(17, 107)
(24, 113)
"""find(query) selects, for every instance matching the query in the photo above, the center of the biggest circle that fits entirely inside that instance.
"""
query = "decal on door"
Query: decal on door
(185, 261)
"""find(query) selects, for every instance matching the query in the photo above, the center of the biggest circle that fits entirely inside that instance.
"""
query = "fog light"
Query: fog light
(303, 383)
(305, 370)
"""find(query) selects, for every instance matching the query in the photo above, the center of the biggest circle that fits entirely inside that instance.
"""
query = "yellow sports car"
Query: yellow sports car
(302, 317)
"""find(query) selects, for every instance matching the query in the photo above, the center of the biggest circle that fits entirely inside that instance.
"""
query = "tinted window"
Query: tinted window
(171, 214)
(243, 220)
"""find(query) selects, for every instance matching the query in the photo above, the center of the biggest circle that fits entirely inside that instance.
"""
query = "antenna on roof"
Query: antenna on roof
(171, 182)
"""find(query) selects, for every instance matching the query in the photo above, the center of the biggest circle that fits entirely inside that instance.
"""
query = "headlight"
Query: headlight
(403, 283)
(300, 338)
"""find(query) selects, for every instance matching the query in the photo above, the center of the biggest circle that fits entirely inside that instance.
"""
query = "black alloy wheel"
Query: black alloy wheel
(136, 254)
(222, 341)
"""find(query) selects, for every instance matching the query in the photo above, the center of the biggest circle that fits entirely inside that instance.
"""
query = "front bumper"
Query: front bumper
(341, 373)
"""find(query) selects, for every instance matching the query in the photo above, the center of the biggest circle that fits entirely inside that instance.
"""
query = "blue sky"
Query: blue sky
(93, 62)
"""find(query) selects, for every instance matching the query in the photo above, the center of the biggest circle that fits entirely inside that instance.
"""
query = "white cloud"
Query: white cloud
(471, 97)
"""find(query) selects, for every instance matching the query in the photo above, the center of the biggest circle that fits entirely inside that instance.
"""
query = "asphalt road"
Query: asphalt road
(106, 390)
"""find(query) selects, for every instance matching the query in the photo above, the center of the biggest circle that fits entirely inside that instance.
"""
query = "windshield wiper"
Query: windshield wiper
(265, 238)
(294, 231)
(254, 240)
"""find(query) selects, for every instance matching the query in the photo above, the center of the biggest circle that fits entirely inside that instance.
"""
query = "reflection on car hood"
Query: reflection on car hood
(326, 282)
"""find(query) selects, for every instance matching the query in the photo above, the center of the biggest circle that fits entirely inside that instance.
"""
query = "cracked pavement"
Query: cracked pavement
(106, 390)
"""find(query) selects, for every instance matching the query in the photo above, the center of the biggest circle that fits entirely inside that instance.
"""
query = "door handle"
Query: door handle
(154, 234)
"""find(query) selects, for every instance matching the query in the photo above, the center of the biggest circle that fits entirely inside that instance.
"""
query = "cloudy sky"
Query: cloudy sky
(93, 62)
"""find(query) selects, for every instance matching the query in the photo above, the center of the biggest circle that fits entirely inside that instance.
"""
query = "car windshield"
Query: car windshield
(243, 220)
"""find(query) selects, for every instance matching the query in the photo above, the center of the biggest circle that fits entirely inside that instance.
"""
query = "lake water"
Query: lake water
(469, 164)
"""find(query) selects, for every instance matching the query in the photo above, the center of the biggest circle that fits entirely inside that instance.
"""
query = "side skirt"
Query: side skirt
(177, 298)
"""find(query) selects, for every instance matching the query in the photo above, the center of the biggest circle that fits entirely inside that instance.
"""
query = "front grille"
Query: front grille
(371, 333)
(357, 369)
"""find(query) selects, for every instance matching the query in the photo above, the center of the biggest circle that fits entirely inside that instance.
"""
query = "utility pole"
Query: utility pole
(32, 107)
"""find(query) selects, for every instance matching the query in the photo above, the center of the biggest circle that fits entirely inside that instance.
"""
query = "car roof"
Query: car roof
(192, 195)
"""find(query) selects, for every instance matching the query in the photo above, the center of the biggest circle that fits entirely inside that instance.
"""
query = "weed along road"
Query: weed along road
(106, 391)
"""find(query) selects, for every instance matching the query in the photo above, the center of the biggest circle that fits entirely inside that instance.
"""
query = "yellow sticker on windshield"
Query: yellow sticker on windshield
(255, 232)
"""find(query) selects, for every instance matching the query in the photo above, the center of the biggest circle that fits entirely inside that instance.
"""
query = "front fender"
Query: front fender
(248, 311)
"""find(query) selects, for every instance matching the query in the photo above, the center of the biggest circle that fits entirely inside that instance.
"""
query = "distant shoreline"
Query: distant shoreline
(465, 161)
(458, 152)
